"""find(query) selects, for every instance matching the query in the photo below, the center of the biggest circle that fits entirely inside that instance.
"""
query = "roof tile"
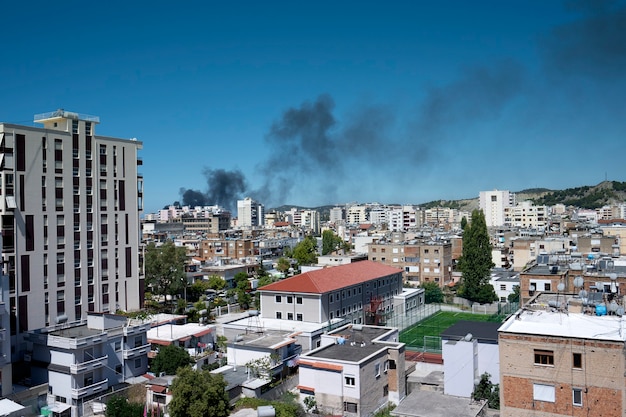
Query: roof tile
(332, 278)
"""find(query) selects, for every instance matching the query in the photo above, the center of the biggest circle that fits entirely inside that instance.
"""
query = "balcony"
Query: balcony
(77, 368)
(138, 351)
(90, 389)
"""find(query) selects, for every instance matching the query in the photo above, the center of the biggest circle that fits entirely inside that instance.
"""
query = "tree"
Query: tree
(475, 262)
(118, 406)
(486, 390)
(242, 289)
(197, 289)
(170, 358)
(283, 265)
(463, 223)
(514, 296)
(198, 394)
(433, 293)
(330, 242)
(165, 268)
(216, 282)
(305, 252)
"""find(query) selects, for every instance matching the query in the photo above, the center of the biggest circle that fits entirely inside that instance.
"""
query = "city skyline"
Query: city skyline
(315, 104)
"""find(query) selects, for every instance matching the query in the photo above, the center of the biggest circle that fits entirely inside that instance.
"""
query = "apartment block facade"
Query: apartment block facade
(250, 213)
(69, 216)
(420, 261)
(562, 361)
(84, 359)
(526, 215)
(493, 203)
(356, 371)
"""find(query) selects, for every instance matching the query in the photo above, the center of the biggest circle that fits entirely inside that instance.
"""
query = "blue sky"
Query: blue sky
(313, 103)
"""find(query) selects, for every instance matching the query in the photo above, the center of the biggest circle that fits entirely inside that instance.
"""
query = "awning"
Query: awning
(158, 389)
(184, 339)
(59, 407)
(159, 342)
(203, 332)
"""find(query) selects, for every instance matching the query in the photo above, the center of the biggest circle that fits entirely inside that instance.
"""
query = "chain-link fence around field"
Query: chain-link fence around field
(421, 330)
(405, 319)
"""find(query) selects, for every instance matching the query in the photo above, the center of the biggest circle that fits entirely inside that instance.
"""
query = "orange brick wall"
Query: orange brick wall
(518, 400)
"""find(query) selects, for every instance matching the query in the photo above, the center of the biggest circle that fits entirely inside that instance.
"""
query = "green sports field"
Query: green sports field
(425, 334)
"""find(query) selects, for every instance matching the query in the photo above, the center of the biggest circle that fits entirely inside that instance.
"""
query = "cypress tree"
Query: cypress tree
(475, 262)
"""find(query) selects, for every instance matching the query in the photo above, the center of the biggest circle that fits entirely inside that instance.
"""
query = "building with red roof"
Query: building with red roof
(344, 291)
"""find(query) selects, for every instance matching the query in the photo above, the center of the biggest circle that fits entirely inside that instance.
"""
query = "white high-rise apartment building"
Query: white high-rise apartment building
(336, 214)
(250, 213)
(526, 215)
(357, 214)
(492, 203)
(69, 216)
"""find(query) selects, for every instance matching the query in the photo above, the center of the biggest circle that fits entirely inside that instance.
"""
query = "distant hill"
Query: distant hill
(586, 196)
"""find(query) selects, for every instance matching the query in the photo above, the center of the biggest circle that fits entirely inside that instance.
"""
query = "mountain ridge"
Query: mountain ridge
(586, 196)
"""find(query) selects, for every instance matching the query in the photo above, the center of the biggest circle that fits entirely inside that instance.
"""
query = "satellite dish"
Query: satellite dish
(582, 293)
(579, 281)
(560, 287)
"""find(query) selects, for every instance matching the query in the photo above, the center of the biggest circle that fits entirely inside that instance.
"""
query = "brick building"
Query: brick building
(560, 356)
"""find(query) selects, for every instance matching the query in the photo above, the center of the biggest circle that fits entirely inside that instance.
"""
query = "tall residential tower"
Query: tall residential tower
(69, 216)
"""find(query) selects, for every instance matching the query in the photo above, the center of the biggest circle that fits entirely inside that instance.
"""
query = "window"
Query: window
(138, 363)
(547, 286)
(350, 407)
(502, 287)
(543, 392)
(289, 316)
(577, 360)
(544, 357)
(330, 298)
(118, 346)
(289, 299)
(278, 299)
(377, 370)
(298, 300)
(577, 396)
(299, 316)
(350, 381)
(279, 315)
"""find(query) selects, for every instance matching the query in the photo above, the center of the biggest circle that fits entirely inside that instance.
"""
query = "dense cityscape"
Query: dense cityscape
(503, 306)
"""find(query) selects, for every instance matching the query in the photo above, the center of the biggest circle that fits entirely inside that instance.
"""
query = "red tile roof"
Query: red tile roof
(330, 279)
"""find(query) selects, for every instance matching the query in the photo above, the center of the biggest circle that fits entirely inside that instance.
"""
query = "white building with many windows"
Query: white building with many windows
(250, 213)
(69, 217)
(82, 360)
(493, 203)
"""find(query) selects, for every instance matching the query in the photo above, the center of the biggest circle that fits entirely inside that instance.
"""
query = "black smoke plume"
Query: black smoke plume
(581, 64)
(224, 188)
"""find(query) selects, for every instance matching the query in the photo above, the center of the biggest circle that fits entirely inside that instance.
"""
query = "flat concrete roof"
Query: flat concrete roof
(76, 332)
(436, 404)
(485, 332)
(539, 318)
(287, 326)
(357, 343)
(270, 340)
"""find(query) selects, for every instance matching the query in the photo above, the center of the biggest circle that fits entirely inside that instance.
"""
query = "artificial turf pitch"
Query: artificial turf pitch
(434, 325)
